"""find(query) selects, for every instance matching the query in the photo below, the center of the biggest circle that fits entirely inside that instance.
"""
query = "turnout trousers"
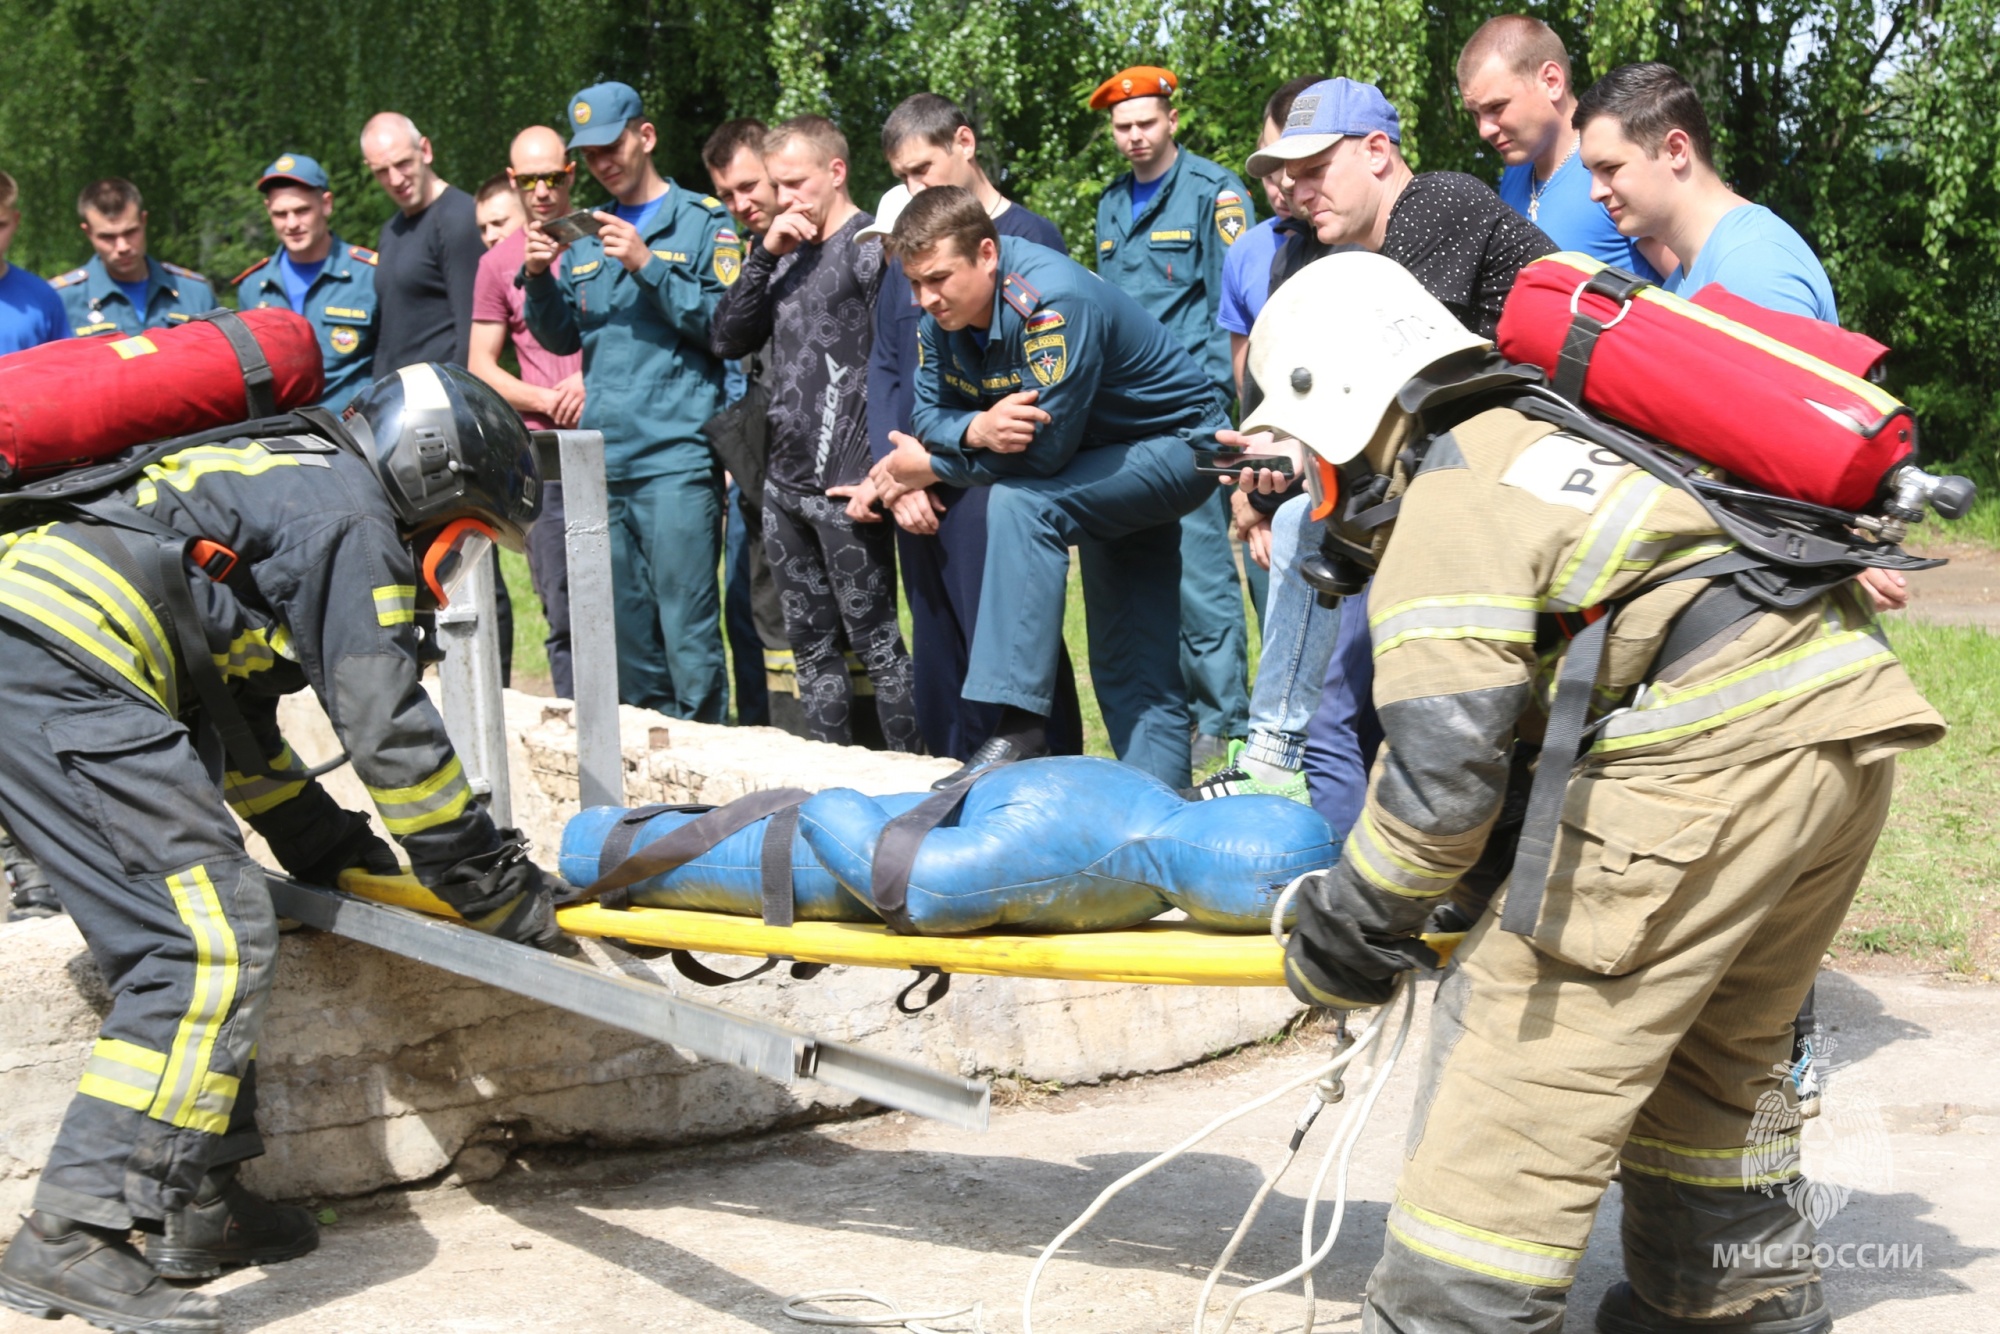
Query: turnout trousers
(1120, 506)
(1647, 1025)
(110, 795)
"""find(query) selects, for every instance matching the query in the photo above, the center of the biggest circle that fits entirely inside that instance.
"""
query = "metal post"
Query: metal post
(600, 760)
(474, 711)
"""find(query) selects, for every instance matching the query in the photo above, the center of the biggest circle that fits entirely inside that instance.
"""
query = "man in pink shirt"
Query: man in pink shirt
(549, 390)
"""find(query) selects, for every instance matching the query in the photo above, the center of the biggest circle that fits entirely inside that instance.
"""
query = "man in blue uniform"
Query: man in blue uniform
(1163, 229)
(1081, 413)
(138, 705)
(123, 289)
(636, 299)
(316, 274)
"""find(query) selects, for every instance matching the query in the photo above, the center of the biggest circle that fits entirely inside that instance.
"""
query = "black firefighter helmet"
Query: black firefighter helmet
(447, 447)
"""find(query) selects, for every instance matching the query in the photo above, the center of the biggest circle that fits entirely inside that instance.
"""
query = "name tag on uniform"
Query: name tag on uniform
(1562, 470)
(343, 313)
(1182, 234)
(672, 256)
(578, 270)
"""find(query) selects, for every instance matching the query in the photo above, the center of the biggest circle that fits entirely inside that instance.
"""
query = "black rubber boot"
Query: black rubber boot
(1800, 1311)
(55, 1267)
(228, 1226)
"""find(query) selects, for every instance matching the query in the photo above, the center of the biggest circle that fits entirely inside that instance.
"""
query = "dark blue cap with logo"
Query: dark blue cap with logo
(598, 114)
(1323, 115)
(294, 169)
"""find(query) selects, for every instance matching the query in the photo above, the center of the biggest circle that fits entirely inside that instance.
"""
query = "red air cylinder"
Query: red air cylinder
(80, 400)
(1776, 400)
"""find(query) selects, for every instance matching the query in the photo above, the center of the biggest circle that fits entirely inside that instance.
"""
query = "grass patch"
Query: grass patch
(1929, 896)
(531, 628)
(1982, 525)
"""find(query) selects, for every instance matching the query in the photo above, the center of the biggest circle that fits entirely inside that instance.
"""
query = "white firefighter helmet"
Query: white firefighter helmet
(1335, 344)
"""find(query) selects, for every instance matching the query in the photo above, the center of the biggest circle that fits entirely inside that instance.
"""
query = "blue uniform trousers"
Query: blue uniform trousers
(942, 573)
(666, 541)
(1215, 648)
(1345, 733)
(126, 817)
(1120, 506)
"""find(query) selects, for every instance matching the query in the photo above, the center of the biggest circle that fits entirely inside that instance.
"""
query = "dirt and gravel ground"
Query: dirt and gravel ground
(1965, 592)
(713, 1239)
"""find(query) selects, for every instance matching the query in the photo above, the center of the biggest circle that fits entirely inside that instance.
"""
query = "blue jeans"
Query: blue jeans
(1345, 733)
(1299, 636)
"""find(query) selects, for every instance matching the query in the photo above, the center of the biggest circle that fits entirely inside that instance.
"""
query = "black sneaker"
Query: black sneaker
(997, 751)
(55, 1267)
(227, 1226)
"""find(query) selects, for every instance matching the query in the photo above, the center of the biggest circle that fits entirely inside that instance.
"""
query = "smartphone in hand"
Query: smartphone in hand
(571, 227)
(1230, 463)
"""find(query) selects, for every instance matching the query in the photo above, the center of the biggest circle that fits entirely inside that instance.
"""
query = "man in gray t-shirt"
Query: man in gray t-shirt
(429, 252)
(807, 297)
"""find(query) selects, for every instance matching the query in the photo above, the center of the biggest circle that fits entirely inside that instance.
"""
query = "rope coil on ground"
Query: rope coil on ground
(895, 1317)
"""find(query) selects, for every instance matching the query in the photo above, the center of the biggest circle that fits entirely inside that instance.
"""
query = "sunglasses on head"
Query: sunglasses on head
(528, 180)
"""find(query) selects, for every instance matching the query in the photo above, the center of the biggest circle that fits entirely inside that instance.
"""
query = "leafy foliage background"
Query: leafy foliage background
(1872, 125)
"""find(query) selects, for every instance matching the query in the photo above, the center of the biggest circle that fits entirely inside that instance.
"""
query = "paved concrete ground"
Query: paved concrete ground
(713, 1239)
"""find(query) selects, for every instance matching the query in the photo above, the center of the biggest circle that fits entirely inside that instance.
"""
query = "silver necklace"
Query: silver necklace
(1537, 190)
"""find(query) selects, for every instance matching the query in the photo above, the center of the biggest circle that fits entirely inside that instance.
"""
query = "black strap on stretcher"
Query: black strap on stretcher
(260, 396)
(1717, 615)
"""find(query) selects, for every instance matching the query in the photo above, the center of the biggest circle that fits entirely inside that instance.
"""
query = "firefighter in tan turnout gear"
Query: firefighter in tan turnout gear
(1630, 1016)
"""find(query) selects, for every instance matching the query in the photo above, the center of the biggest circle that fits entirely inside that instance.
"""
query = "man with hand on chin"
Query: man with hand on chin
(636, 299)
(1081, 412)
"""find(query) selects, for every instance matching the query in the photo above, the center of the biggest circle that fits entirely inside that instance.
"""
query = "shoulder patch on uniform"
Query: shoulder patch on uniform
(1563, 470)
(237, 281)
(1230, 219)
(70, 279)
(1019, 293)
(183, 272)
(1048, 357)
(364, 254)
(1105, 245)
(1042, 321)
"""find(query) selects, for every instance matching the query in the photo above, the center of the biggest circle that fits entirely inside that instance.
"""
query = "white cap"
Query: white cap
(1334, 345)
(894, 200)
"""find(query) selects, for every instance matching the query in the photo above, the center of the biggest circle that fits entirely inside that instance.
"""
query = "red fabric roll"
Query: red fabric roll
(80, 400)
(1776, 403)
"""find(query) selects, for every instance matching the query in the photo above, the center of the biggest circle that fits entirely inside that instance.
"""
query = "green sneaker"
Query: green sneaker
(1237, 782)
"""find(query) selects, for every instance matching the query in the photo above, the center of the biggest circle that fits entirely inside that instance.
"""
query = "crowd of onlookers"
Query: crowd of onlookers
(762, 359)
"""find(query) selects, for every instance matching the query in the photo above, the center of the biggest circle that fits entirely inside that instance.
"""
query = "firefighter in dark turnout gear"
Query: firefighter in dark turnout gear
(116, 763)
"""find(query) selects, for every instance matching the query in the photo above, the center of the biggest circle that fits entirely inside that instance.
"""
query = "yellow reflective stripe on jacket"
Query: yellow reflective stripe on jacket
(123, 1073)
(1607, 544)
(1481, 1251)
(182, 470)
(251, 651)
(1509, 620)
(1664, 714)
(1368, 852)
(250, 795)
(59, 585)
(1750, 1166)
(189, 1095)
(396, 604)
(438, 799)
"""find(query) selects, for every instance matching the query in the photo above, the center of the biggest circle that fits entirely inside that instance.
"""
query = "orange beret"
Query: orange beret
(1139, 81)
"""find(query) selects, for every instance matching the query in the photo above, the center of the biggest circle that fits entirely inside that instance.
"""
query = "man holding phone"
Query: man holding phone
(636, 299)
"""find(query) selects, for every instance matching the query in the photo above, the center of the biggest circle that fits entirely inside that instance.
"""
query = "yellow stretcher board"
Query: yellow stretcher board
(1174, 953)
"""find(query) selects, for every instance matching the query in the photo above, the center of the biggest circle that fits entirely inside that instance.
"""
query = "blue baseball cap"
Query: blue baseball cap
(294, 169)
(1322, 116)
(597, 115)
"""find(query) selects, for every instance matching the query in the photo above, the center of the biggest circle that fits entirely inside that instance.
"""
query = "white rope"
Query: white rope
(895, 1317)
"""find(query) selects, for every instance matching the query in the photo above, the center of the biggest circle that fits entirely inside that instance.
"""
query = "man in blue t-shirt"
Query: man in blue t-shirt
(1646, 142)
(941, 530)
(30, 311)
(1514, 77)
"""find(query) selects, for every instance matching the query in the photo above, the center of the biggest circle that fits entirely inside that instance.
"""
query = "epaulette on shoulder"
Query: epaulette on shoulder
(237, 281)
(1019, 293)
(364, 254)
(70, 279)
(183, 272)
(710, 201)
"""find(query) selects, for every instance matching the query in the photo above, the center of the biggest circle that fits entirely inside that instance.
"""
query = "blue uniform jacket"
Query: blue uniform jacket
(340, 306)
(1106, 372)
(650, 379)
(1170, 256)
(96, 304)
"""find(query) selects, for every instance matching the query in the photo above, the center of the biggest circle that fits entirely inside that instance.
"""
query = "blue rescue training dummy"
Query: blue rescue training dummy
(1060, 845)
